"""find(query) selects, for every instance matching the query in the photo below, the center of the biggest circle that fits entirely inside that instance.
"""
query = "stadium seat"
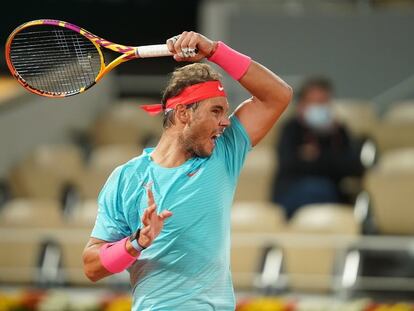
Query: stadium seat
(401, 112)
(46, 172)
(91, 184)
(392, 196)
(257, 174)
(80, 221)
(311, 268)
(359, 116)
(125, 123)
(31, 257)
(392, 135)
(72, 260)
(102, 162)
(398, 160)
(396, 128)
(248, 218)
(83, 214)
(72, 250)
(107, 158)
(26, 224)
(19, 259)
(31, 213)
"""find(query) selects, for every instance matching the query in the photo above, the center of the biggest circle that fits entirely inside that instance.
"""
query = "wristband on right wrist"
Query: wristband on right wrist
(233, 62)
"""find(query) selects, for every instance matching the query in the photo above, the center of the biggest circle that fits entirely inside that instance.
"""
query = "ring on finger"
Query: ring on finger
(186, 52)
(191, 52)
(175, 38)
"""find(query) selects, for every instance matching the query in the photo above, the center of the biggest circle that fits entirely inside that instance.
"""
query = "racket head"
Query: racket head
(54, 58)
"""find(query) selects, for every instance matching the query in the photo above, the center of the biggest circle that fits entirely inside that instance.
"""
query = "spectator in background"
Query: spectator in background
(315, 152)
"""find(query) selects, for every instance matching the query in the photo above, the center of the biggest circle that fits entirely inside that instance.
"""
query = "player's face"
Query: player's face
(206, 124)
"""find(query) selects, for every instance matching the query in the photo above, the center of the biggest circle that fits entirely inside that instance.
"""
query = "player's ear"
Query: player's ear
(182, 113)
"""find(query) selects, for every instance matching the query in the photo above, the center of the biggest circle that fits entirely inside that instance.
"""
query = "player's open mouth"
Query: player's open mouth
(214, 137)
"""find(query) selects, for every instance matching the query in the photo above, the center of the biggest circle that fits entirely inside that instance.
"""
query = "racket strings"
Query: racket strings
(54, 59)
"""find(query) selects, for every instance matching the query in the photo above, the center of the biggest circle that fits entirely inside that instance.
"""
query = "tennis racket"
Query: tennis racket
(57, 59)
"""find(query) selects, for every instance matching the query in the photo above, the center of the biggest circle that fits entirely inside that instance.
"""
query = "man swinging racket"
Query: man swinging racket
(165, 215)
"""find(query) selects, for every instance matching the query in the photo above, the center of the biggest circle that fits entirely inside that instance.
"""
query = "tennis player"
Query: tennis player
(165, 215)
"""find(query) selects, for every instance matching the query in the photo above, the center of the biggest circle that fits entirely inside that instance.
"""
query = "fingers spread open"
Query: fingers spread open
(150, 195)
(145, 230)
(165, 214)
(151, 210)
(145, 218)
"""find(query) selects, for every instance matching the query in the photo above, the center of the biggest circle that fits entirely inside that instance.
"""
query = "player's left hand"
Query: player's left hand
(185, 46)
(152, 222)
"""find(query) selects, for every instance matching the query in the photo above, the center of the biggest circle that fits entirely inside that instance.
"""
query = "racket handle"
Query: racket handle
(156, 50)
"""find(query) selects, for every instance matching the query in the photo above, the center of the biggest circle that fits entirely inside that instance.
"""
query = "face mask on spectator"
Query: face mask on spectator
(318, 116)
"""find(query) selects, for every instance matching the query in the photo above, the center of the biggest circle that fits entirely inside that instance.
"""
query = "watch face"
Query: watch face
(134, 241)
(136, 235)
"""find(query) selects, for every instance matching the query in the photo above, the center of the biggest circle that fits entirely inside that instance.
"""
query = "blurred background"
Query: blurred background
(323, 217)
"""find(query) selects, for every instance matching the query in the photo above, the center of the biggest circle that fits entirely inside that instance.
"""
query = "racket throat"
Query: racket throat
(121, 59)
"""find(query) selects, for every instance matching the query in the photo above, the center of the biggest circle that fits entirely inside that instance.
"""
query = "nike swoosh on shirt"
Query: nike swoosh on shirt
(192, 173)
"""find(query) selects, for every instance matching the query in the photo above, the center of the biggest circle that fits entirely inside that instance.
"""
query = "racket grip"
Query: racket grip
(156, 50)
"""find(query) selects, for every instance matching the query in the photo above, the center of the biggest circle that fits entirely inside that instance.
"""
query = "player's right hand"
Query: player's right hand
(151, 221)
(191, 46)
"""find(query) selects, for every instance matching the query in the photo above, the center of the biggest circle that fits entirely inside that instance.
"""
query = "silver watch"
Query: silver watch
(134, 241)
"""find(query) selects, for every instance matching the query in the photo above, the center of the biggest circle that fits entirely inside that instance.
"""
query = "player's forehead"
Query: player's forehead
(217, 102)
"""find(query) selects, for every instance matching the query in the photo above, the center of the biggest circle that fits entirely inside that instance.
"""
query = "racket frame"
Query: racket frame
(127, 53)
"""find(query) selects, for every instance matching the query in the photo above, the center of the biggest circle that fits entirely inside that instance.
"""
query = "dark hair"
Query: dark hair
(319, 82)
(182, 78)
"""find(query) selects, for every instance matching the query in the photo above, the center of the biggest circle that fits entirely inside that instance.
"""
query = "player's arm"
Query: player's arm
(101, 258)
(92, 261)
(271, 94)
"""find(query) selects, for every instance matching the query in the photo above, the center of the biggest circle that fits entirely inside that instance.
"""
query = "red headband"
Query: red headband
(188, 96)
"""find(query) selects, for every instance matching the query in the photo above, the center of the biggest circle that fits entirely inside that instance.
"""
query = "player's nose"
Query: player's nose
(225, 122)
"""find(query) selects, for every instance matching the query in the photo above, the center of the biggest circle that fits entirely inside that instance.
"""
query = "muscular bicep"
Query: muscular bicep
(258, 118)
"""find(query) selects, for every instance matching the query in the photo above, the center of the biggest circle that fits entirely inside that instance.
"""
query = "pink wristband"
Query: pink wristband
(114, 256)
(233, 62)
